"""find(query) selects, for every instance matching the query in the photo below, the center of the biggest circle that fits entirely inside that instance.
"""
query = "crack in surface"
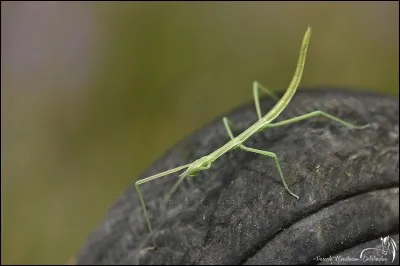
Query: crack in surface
(333, 202)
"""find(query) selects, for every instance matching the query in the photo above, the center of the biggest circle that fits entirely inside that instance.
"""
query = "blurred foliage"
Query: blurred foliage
(152, 74)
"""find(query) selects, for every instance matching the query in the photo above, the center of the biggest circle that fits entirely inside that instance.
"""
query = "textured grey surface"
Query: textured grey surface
(368, 253)
(238, 212)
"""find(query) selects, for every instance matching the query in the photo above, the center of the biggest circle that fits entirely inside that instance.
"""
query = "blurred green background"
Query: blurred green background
(93, 93)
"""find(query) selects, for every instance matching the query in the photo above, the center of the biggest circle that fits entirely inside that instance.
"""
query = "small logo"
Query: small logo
(388, 250)
(388, 247)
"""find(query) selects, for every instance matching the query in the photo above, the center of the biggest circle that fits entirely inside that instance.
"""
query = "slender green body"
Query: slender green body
(205, 162)
(275, 111)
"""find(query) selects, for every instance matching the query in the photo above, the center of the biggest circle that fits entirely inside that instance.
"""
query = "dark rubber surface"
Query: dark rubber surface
(238, 212)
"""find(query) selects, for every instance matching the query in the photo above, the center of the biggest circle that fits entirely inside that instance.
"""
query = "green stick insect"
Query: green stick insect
(205, 162)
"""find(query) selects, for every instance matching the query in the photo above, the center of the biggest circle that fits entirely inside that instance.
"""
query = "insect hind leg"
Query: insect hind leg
(317, 113)
(256, 88)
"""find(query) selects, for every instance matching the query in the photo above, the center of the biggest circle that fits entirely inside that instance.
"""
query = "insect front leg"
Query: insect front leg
(187, 174)
(174, 188)
(147, 179)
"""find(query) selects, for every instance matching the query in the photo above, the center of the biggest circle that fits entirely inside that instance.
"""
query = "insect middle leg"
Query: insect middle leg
(273, 155)
(227, 124)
